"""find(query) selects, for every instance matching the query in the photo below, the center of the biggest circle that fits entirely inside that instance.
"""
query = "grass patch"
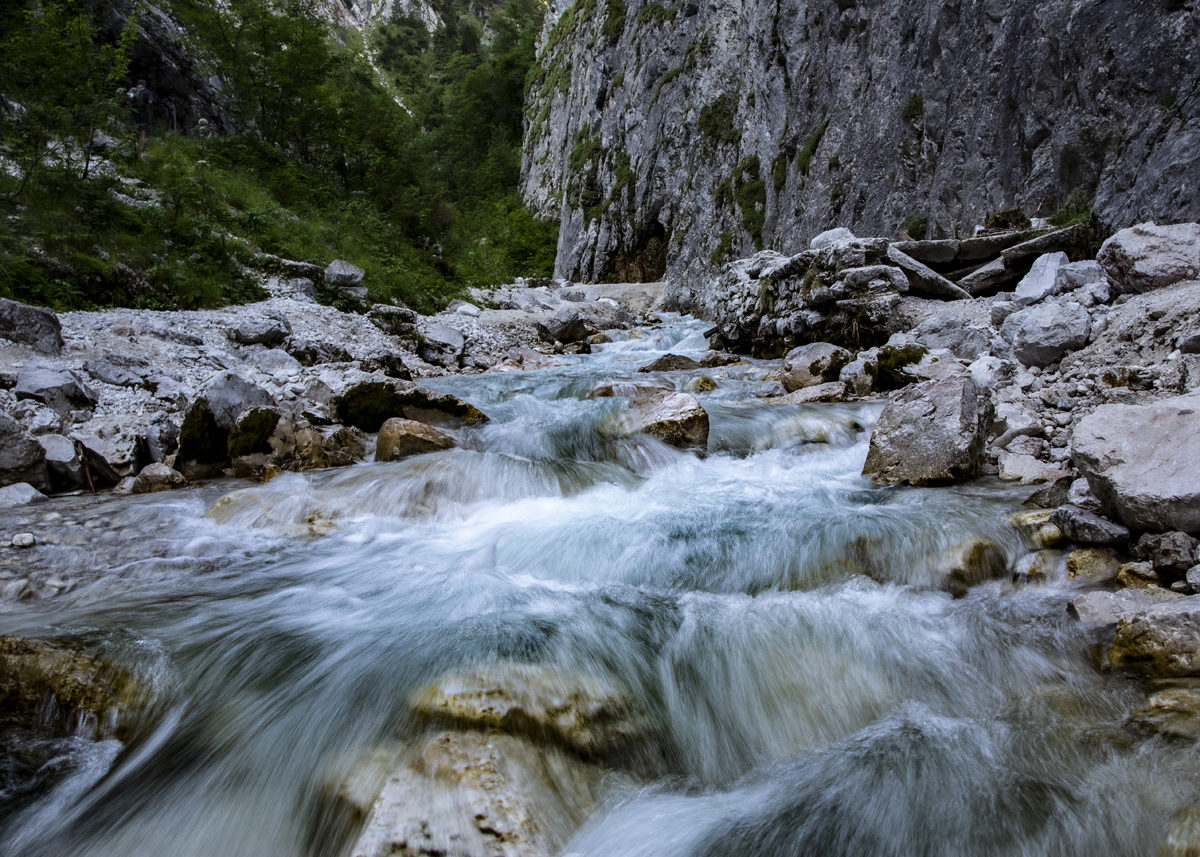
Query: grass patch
(723, 249)
(912, 109)
(917, 227)
(717, 123)
(805, 155)
(1077, 209)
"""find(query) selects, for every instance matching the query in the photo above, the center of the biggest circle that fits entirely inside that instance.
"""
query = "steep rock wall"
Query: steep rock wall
(671, 137)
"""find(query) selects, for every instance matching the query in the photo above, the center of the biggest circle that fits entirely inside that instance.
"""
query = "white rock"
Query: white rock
(831, 237)
(1041, 281)
(20, 494)
(1148, 256)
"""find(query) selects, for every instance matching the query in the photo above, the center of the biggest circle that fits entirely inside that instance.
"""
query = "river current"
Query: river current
(783, 620)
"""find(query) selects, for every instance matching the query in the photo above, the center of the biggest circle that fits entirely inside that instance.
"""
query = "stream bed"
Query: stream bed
(805, 685)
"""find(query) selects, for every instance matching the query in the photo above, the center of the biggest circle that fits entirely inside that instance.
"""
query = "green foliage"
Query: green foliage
(835, 163)
(779, 172)
(805, 155)
(751, 196)
(655, 14)
(1007, 218)
(914, 108)
(1077, 209)
(717, 123)
(614, 20)
(585, 149)
(888, 370)
(1166, 102)
(721, 252)
(917, 227)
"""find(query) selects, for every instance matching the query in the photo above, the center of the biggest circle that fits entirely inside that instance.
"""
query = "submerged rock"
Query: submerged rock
(399, 438)
(670, 363)
(932, 432)
(466, 794)
(675, 418)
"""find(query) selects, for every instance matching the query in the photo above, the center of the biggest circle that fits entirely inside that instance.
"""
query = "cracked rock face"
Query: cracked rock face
(671, 137)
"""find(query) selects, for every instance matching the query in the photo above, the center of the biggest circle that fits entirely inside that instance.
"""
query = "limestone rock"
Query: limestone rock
(834, 391)
(368, 404)
(251, 431)
(59, 389)
(275, 360)
(1143, 462)
(400, 438)
(830, 237)
(112, 446)
(1042, 280)
(1138, 575)
(624, 389)
(855, 378)
(394, 320)
(1086, 527)
(260, 330)
(1148, 256)
(1161, 641)
(924, 280)
(204, 435)
(812, 364)
(675, 418)
(1036, 529)
(1170, 553)
(312, 353)
(111, 370)
(30, 325)
(589, 715)
(22, 458)
(157, 477)
(1103, 610)
(1028, 469)
(19, 494)
(1045, 333)
(1074, 275)
(1093, 565)
(670, 363)
(947, 330)
(929, 433)
(467, 794)
(441, 345)
(566, 326)
(343, 274)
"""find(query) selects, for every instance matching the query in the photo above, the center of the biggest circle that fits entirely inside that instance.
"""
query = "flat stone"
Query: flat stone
(1088, 528)
(61, 390)
(400, 438)
(20, 494)
(1041, 281)
(834, 391)
(1102, 610)
(1028, 469)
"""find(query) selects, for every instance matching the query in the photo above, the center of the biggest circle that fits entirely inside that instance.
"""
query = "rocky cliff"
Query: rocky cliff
(675, 136)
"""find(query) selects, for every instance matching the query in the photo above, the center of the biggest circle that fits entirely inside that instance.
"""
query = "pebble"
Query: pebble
(23, 540)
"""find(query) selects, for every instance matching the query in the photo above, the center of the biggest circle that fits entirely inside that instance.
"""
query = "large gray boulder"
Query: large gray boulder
(1088, 528)
(1143, 462)
(947, 330)
(675, 418)
(929, 433)
(566, 326)
(1046, 333)
(19, 494)
(22, 458)
(30, 325)
(59, 389)
(1148, 256)
(343, 274)
(267, 330)
(1162, 641)
(1041, 281)
(1102, 610)
(812, 364)
(400, 438)
(204, 435)
(441, 345)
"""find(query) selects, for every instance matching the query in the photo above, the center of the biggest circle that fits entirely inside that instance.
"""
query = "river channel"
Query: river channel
(813, 688)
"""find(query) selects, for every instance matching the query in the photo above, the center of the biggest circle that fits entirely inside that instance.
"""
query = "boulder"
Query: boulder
(1042, 280)
(1093, 565)
(855, 378)
(1143, 462)
(270, 331)
(158, 477)
(565, 326)
(391, 365)
(812, 364)
(1148, 256)
(22, 458)
(593, 716)
(393, 320)
(312, 353)
(400, 438)
(1163, 640)
(37, 419)
(830, 237)
(1103, 610)
(275, 360)
(368, 404)
(674, 418)
(627, 389)
(1074, 275)
(343, 275)
(30, 325)
(670, 363)
(1027, 468)
(19, 494)
(922, 279)
(947, 330)
(204, 435)
(1171, 554)
(834, 391)
(929, 433)
(441, 345)
(59, 389)
(113, 447)
(467, 794)
(251, 432)
(110, 371)
(1045, 333)
(1088, 528)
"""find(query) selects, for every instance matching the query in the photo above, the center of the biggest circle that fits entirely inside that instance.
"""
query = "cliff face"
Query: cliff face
(673, 137)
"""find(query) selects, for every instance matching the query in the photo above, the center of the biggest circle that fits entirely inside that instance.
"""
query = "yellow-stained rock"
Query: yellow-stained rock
(1093, 565)
(400, 438)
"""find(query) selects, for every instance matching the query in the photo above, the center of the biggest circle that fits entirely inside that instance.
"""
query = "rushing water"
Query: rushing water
(782, 620)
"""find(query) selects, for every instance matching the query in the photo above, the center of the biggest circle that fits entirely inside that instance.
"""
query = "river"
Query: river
(784, 624)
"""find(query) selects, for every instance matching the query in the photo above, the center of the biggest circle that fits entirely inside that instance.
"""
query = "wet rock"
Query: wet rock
(670, 363)
(251, 432)
(58, 389)
(343, 274)
(834, 391)
(702, 384)
(717, 359)
(1045, 333)
(1192, 576)
(441, 345)
(856, 379)
(36, 327)
(24, 540)
(1102, 610)
(627, 389)
(261, 330)
(812, 364)
(19, 494)
(157, 477)
(312, 353)
(1093, 565)
(1138, 575)
(589, 715)
(84, 689)
(1036, 529)
(949, 331)
(1143, 462)
(1088, 528)
(466, 794)
(1171, 554)
(1161, 641)
(1175, 713)
(400, 438)
(1052, 495)
(204, 435)
(567, 325)
(1042, 280)
(368, 404)
(930, 433)
(297, 445)
(675, 418)
(1148, 256)
(970, 563)
(22, 458)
